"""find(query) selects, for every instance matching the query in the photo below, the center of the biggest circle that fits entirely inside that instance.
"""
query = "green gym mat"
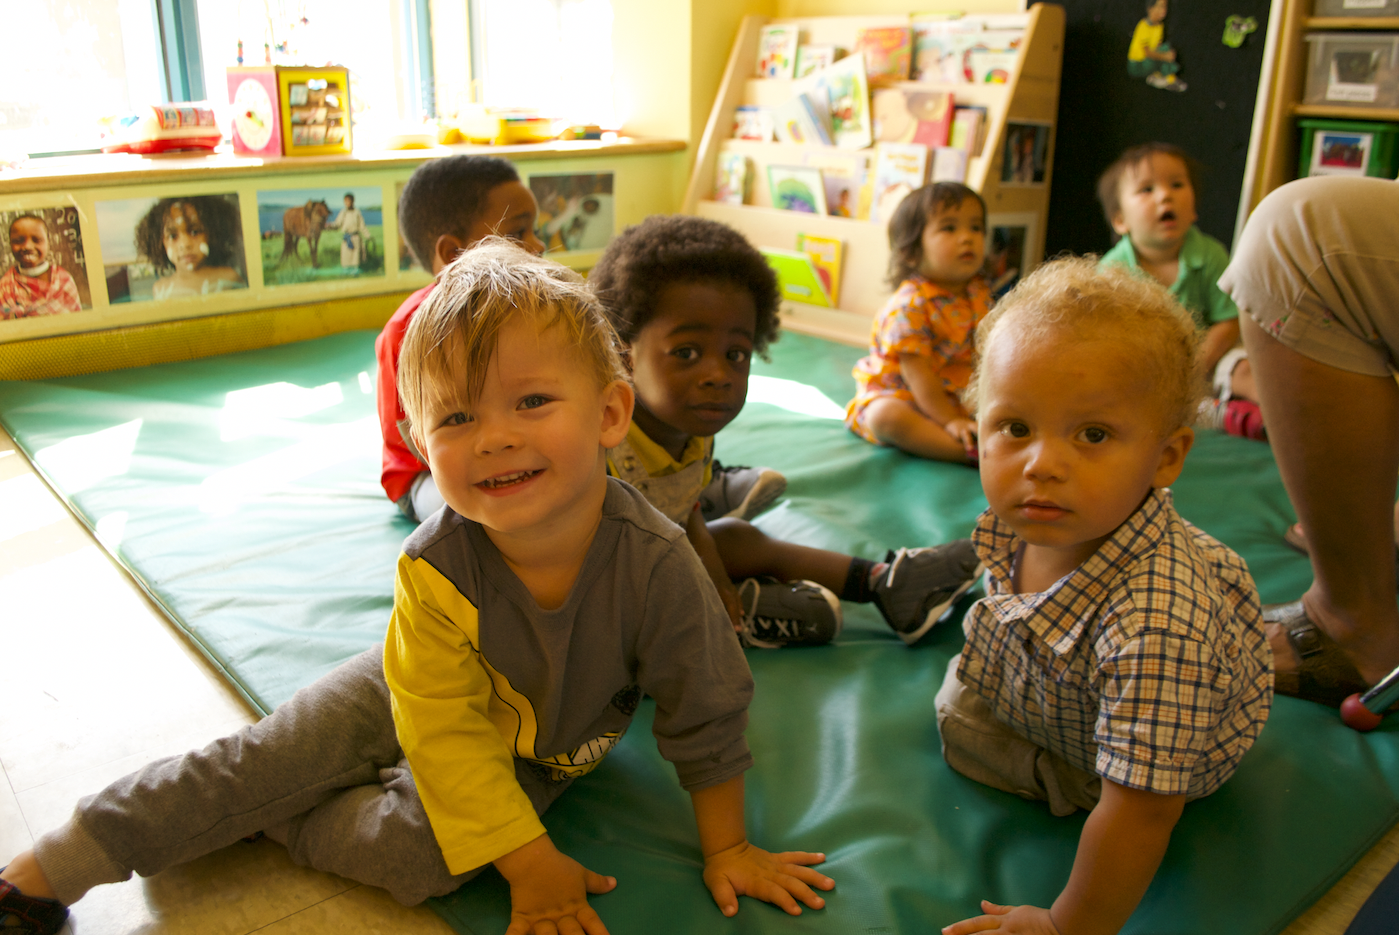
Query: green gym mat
(242, 492)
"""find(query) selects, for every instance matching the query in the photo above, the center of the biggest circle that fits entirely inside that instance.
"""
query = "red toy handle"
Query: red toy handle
(1366, 712)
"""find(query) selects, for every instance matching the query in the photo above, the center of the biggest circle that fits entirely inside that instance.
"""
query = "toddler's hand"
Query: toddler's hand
(780, 879)
(963, 431)
(549, 892)
(1029, 920)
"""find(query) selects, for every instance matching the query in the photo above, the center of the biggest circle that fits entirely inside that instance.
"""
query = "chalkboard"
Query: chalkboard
(1103, 110)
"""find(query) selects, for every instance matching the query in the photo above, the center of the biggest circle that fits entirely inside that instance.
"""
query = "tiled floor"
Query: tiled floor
(96, 682)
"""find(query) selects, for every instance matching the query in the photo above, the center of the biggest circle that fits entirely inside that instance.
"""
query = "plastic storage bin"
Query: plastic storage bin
(1353, 69)
(1356, 8)
(1348, 147)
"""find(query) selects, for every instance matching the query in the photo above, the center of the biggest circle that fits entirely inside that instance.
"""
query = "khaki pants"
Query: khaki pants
(982, 748)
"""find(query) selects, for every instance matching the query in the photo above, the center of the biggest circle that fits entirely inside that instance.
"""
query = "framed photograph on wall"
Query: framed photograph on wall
(1026, 154)
(42, 270)
(155, 249)
(1011, 251)
(315, 234)
(576, 212)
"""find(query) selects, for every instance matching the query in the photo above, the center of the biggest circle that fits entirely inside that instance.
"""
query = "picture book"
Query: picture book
(797, 278)
(844, 87)
(991, 66)
(887, 51)
(803, 119)
(899, 168)
(938, 46)
(753, 123)
(949, 165)
(813, 58)
(777, 51)
(796, 188)
(843, 176)
(731, 179)
(912, 115)
(968, 129)
(826, 254)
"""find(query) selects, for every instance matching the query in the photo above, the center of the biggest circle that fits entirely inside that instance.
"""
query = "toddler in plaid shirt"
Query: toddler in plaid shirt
(1119, 662)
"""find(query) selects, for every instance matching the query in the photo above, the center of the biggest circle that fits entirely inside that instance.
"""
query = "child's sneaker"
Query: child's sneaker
(920, 585)
(788, 613)
(1239, 417)
(739, 491)
(29, 915)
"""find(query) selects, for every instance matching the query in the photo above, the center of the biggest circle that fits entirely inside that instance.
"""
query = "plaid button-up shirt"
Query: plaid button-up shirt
(1147, 664)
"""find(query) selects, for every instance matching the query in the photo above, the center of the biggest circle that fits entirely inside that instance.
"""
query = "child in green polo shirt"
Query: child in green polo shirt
(1148, 198)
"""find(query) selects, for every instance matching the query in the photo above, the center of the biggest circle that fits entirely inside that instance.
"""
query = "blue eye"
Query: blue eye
(533, 402)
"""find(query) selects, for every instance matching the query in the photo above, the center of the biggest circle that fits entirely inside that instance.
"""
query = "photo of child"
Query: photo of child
(315, 234)
(168, 248)
(575, 211)
(1005, 258)
(43, 272)
(1026, 154)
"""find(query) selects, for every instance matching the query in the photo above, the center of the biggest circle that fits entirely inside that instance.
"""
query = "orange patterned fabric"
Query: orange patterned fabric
(26, 297)
(921, 319)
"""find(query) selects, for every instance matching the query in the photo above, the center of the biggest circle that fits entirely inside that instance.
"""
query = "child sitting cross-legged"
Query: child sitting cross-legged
(447, 205)
(921, 343)
(530, 616)
(1119, 663)
(694, 301)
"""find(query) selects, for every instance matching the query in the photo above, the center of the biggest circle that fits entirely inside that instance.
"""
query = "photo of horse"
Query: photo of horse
(318, 234)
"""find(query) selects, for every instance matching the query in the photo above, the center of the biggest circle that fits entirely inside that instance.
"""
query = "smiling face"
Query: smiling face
(525, 459)
(29, 242)
(954, 245)
(1156, 203)
(186, 243)
(1072, 439)
(690, 361)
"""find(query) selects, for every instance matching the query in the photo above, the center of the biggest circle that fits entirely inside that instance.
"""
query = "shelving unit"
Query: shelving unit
(1278, 163)
(1030, 96)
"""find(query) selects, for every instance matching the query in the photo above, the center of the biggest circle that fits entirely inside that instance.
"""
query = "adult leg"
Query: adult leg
(1335, 434)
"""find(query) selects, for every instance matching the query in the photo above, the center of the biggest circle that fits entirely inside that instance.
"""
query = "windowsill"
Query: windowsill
(103, 169)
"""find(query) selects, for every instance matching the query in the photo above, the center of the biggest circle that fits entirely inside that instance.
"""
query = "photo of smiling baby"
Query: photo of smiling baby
(43, 271)
(174, 247)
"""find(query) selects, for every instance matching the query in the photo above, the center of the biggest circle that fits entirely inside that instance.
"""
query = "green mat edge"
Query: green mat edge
(146, 588)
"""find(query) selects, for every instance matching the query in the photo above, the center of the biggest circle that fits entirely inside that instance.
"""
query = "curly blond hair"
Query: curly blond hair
(1075, 295)
(453, 335)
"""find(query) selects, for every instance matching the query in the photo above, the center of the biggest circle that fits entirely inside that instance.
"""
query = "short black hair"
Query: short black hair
(1111, 179)
(666, 249)
(910, 219)
(29, 216)
(351, 196)
(223, 230)
(443, 196)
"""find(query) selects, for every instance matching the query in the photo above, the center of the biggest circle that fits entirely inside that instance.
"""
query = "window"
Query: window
(551, 55)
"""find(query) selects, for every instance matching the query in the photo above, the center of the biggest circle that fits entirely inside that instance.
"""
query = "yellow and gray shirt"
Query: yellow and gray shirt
(671, 486)
(492, 693)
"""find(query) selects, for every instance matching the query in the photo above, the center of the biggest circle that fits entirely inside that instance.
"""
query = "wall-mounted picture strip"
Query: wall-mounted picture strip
(317, 234)
(575, 211)
(1010, 249)
(406, 260)
(43, 271)
(155, 249)
(1026, 154)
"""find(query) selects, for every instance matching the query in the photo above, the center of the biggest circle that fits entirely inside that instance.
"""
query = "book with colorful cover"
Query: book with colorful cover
(887, 51)
(803, 119)
(899, 168)
(991, 66)
(843, 176)
(847, 93)
(949, 165)
(731, 179)
(912, 114)
(752, 123)
(826, 254)
(813, 58)
(796, 188)
(777, 51)
(797, 277)
(939, 46)
(968, 129)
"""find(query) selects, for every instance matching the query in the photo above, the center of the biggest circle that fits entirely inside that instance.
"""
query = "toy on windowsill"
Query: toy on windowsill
(162, 128)
(280, 110)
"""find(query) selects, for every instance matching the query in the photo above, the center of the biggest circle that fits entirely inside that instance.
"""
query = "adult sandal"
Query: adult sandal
(1324, 673)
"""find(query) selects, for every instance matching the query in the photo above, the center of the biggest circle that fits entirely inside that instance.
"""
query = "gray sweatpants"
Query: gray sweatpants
(323, 774)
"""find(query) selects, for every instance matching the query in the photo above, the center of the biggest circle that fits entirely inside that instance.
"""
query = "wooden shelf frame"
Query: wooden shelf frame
(1031, 96)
